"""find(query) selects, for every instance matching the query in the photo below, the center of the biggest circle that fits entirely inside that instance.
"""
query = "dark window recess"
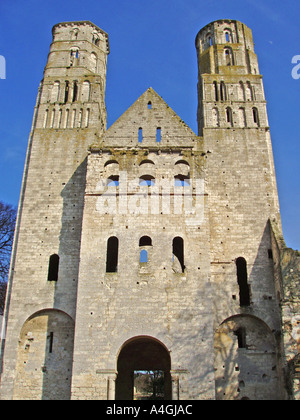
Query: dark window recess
(112, 255)
(242, 278)
(145, 241)
(178, 251)
(241, 336)
(53, 268)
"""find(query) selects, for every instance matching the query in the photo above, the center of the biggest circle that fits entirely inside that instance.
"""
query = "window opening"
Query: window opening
(112, 255)
(143, 256)
(50, 338)
(242, 278)
(158, 135)
(145, 241)
(149, 105)
(229, 116)
(66, 92)
(241, 336)
(178, 252)
(255, 116)
(223, 92)
(75, 91)
(147, 180)
(53, 268)
(113, 181)
(140, 135)
(182, 181)
(216, 91)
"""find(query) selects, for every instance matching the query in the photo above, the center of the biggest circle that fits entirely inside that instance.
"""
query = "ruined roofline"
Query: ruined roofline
(83, 22)
(219, 21)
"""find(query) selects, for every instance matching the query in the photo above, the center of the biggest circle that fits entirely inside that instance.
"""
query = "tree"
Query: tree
(7, 228)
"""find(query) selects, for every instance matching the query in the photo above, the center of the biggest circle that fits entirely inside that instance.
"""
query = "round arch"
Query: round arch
(45, 356)
(143, 365)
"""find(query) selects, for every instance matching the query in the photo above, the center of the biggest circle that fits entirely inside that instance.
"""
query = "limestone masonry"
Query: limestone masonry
(149, 261)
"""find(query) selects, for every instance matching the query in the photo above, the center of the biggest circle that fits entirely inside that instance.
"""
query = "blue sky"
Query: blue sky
(152, 44)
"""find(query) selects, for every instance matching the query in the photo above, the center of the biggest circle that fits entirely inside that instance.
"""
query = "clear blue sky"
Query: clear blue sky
(152, 44)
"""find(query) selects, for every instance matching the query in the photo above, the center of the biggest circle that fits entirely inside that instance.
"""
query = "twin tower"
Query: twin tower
(146, 261)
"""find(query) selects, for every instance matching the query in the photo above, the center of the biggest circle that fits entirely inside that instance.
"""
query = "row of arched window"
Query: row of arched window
(245, 92)
(70, 92)
(145, 242)
(180, 180)
(95, 38)
(66, 118)
(242, 118)
(225, 38)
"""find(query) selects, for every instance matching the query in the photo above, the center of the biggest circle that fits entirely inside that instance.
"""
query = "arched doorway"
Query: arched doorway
(144, 366)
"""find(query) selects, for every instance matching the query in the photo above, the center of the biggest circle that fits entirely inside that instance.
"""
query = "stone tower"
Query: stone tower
(70, 114)
(145, 247)
(242, 202)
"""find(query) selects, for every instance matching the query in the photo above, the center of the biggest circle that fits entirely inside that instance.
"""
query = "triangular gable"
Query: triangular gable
(149, 122)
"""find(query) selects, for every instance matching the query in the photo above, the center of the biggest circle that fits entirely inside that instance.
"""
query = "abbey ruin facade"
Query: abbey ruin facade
(146, 247)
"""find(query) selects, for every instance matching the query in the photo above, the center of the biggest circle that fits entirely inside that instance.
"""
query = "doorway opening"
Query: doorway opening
(144, 366)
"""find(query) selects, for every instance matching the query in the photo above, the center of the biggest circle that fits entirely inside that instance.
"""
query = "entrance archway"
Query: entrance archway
(144, 366)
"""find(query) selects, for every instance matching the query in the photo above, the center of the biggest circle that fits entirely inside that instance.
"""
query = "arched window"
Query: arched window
(158, 135)
(113, 181)
(242, 278)
(66, 92)
(147, 180)
(145, 241)
(143, 256)
(149, 105)
(215, 117)
(182, 180)
(228, 35)
(87, 117)
(229, 61)
(255, 116)
(223, 91)
(140, 135)
(249, 92)
(112, 255)
(178, 255)
(242, 117)
(229, 116)
(144, 244)
(216, 91)
(241, 92)
(53, 268)
(75, 91)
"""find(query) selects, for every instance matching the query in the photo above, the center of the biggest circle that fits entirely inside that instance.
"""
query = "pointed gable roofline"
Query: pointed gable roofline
(141, 116)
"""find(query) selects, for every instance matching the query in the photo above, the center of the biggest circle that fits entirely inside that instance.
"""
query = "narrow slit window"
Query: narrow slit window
(178, 254)
(229, 116)
(149, 105)
(50, 338)
(255, 116)
(158, 135)
(143, 256)
(242, 278)
(112, 255)
(216, 91)
(241, 337)
(140, 135)
(53, 268)
(66, 92)
(75, 91)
